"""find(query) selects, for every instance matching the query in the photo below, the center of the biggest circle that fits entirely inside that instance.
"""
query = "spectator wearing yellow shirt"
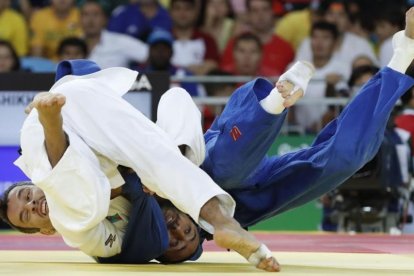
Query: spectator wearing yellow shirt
(52, 24)
(295, 26)
(13, 28)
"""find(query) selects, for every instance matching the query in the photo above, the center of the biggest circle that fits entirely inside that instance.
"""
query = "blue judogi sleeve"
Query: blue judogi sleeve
(278, 184)
(146, 237)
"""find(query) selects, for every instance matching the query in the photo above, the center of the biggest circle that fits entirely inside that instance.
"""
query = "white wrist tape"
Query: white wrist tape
(262, 253)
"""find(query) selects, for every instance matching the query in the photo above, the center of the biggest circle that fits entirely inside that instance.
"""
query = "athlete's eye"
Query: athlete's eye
(188, 230)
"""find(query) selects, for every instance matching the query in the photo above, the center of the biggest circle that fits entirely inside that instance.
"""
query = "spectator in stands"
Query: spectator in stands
(28, 7)
(139, 17)
(405, 121)
(217, 21)
(9, 61)
(362, 61)
(72, 48)
(348, 45)
(295, 26)
(388, 21)
(220, 89)
(51, 24)
(108, 49)
(329, 77)
(160, 53)
(277, 51)
(216, 89)
(247, 55)
(13, 28)
(193, 49)
(360, 75)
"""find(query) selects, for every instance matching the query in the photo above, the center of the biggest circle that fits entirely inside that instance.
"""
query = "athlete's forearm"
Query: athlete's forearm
(213, 214)
(56, 141)
(49, 108)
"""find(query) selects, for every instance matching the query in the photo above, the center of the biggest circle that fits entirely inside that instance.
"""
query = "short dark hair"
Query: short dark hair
(15, 57)
(391, 14)
(4, 205)
(249, 3)
(325, 26)
(248, 37)
(94, 2)
(73, 41)
(191, 2)
(360, 71)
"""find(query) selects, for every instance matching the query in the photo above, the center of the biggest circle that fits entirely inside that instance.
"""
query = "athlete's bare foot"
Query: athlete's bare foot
(49, 107)
(292, 84)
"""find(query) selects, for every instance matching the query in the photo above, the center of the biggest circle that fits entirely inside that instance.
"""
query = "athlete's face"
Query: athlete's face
(27, 208)
(182, 232)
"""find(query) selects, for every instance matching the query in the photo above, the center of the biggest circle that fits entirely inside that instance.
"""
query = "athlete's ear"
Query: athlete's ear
(47, 231)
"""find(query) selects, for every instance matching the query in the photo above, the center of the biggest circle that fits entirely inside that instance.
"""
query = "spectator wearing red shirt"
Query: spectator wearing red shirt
(247, 55)
(277, 53)
(193, 49)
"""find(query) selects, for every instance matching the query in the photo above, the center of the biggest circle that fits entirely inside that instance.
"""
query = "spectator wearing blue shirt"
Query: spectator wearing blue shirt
(138, 18)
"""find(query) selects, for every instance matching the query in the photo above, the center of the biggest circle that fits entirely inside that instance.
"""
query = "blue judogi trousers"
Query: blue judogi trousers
(237, 143)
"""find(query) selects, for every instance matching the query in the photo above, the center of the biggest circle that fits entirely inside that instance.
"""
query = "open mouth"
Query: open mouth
(43, 208)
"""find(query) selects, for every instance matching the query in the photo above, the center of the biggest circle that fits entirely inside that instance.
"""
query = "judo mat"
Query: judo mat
(298, 254)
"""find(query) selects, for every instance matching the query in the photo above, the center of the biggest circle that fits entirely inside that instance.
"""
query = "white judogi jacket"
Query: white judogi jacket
(104, 131)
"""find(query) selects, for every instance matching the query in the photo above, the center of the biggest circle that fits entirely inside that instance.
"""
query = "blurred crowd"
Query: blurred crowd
(207, 37)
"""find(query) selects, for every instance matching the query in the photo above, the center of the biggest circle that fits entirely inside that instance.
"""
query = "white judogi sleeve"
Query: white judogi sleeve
(96, 112)
(76, 190)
